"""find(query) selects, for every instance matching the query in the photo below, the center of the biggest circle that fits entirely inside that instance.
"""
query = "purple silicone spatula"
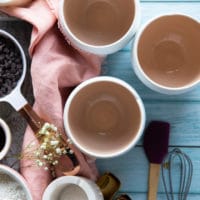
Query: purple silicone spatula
(156, 140)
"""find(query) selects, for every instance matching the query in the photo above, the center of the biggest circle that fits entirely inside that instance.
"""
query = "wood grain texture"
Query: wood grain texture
(141, 196)
(154, 174)
(181, 111)
(132, 170)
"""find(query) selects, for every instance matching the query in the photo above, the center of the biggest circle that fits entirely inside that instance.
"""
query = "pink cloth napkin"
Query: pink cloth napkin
(56, 67)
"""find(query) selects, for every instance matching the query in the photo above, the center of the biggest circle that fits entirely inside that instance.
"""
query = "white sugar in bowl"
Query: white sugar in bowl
(12, 185)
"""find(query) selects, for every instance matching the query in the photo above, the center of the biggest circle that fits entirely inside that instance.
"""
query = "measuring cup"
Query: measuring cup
(15, 97)
(20, 104)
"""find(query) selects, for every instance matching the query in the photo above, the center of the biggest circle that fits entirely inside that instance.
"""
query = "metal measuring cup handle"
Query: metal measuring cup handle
(109, 185)
(20, 104)
(36, 123)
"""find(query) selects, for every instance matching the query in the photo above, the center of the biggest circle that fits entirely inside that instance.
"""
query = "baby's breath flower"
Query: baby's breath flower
(37, 161)
(58, 151)
(54, 142)
(71, 151)
(55, 162)
(51, 147)
(43, 146)
(40, 164)
(50, 154)
(46, 168)
(64, 151)
(47, 133)
(37, 153)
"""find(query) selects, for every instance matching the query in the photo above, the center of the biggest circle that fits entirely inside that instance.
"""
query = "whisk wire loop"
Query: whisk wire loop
(186, 171)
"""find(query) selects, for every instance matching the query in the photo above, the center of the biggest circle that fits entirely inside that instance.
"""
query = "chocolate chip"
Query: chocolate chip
(11, 66)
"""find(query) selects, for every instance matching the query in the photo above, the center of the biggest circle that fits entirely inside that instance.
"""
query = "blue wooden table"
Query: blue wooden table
(181, 111)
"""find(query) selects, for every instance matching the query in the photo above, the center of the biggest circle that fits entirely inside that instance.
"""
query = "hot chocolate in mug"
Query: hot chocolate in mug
(104, 117)
(165, 53)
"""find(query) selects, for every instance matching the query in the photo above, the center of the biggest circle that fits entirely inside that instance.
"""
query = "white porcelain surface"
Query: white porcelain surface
(18, 178)
(8, 137)
(56, 187)
(126, 86)
(140, 73)
(104, 49)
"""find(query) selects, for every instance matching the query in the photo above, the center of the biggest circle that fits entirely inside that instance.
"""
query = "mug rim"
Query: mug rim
(100, 49)
(140, 72)
(124, 85)
(81, 182)
(8, 138)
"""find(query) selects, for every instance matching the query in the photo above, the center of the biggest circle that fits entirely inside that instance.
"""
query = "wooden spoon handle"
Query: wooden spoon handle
(32, 118)
(154, 172)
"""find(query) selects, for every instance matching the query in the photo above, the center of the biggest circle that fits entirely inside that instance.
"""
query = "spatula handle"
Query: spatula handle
(154, 173)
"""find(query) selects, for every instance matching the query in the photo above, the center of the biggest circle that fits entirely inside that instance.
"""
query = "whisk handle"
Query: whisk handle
(154, 173)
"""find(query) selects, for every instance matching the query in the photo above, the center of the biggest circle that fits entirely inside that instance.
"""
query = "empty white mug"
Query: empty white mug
(99, 26)
(165, 53)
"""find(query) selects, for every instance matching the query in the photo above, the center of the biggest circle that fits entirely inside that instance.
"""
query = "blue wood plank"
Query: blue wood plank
(182, 111)
(119, 65)
(138, 196)
(132, 170)
(184, 119)
(152, 9)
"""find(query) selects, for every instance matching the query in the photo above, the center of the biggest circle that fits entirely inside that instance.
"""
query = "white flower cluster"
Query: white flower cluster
(52, 146)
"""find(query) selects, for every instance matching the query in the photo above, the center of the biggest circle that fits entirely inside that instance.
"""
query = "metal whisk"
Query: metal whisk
(176, 159)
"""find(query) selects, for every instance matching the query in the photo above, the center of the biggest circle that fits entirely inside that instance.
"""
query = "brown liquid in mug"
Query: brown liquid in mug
(99, 22)
(168, 51)
(104, 117)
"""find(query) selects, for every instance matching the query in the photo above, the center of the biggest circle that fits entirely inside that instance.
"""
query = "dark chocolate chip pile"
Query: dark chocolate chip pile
(10, 66)
(2, 138)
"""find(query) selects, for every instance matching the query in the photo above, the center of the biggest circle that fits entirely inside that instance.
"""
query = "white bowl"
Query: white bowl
(8, 139)
(18, 178)
(86, 188)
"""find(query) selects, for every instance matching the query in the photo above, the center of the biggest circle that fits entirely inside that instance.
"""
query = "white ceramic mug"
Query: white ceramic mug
(99, 26)
(104, 117)
(7, 134)
(165, 53)
(72, 187)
